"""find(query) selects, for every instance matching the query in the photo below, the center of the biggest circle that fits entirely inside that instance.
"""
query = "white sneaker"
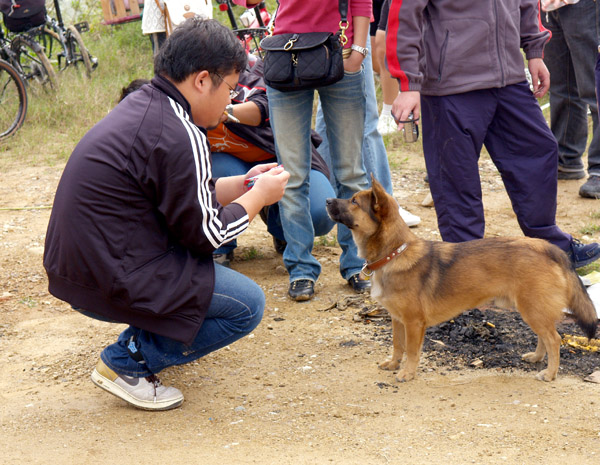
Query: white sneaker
(410, 219)
(145, 393)
(386, 125)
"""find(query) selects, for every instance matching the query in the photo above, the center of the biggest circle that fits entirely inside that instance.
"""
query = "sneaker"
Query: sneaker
(302, 289)
(566, 174)
(386, 125)
(146, 393)
(583, 254)
(410, 219)
(223, 258)
(359, 285)
(591, 188)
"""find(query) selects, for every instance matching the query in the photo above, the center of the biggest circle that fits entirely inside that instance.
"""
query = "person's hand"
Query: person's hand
(353, 63)
(406, 103)
(550, 5)
(540, 77)
(271, 185)
(259, 169)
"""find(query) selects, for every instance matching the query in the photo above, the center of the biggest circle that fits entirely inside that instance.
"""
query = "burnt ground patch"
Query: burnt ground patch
(492, 338)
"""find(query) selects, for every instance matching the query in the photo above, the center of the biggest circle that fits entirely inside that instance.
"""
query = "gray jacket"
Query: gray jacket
(444, 47)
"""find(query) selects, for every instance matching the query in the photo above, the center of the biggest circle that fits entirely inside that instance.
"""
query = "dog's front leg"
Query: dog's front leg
(398, 340)
(415, 333)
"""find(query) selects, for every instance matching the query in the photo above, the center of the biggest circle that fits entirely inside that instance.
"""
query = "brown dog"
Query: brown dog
(424, 283)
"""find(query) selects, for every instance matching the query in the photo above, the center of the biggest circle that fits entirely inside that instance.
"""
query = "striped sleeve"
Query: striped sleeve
(403, 42)
(196, 215)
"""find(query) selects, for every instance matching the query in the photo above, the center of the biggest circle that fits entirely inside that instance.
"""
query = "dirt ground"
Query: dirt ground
(303, 388)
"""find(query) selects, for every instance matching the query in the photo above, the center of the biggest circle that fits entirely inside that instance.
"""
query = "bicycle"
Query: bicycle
(64, 46)
(255, 22)
(13, 99)
(27, 56)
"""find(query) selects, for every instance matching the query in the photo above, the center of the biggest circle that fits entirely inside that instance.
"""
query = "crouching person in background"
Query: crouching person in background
(137, 216)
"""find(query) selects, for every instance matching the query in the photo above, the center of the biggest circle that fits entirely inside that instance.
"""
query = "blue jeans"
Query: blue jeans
(374, 154)
(235, 310)
(224, 164)
(291, 114)
(570, 57)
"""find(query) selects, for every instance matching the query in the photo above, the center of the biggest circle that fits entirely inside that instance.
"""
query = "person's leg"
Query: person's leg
(235, 310)
(223, 165)
(290, 115)
(527, 164)
(454, 127)
(343, 106)
(568, 113)
(320, 189)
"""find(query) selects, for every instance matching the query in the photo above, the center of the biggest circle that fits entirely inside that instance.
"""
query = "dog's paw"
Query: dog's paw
(531, 357)
(404, 376)
(390, 365)
(545, 375)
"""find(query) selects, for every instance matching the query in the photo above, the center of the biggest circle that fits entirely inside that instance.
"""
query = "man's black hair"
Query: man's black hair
(200, 45)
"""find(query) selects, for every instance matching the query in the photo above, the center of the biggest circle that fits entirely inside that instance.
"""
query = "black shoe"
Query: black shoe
(359, 285)
(279, 245)
(564, 174)
(223, 259)
(302, 289)
(583, 254)
(591, 188)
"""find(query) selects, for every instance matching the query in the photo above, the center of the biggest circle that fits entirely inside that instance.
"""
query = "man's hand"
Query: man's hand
(406, 103)
(271, 185)
(540, 77)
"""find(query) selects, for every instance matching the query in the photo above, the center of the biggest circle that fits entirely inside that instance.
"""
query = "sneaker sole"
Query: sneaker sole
(302, 298)
(116, 390)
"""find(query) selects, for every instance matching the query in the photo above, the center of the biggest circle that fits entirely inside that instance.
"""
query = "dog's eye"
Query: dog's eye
(353, 201)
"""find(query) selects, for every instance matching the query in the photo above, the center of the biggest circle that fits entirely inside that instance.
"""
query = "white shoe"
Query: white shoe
(410, 219)
(386, 125)
(145, 393)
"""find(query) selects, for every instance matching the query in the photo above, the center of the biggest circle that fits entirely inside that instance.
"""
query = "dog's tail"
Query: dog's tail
(582, 307)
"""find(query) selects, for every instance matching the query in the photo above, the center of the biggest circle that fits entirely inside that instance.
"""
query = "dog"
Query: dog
(423, 283)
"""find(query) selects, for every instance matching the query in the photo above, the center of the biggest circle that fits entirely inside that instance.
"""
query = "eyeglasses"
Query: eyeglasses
(232, 92)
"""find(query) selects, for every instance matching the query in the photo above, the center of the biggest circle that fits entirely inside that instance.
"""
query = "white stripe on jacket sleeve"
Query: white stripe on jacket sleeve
(214, 230)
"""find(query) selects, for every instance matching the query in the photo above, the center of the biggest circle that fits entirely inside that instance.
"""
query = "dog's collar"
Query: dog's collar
(379, 263)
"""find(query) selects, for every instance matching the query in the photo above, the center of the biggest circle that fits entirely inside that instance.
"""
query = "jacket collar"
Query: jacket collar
(166, 86)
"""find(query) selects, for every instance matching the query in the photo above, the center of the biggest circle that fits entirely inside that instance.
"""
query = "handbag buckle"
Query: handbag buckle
(343, 27)
(290, 42)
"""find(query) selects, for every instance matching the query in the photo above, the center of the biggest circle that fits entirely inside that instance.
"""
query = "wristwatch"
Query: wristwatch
(229, 109)
(362, 50)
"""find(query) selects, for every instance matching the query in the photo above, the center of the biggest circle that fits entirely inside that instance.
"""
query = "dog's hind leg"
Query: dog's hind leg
(538, 355)
(415, 334)
(398, 340)
(548, 342)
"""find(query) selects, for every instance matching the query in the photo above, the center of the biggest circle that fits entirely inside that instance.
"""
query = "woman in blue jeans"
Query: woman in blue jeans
(344, 113)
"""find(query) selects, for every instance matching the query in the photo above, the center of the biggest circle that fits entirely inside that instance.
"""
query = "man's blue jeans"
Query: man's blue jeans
(570, 56)
(374, 153)
(291, 114)
(224, 164)
(235, 310)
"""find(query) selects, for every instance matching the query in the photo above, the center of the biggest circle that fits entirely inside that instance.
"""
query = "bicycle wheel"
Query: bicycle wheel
(13, 100)
(53, 48)
(79, 52)
(34, 63)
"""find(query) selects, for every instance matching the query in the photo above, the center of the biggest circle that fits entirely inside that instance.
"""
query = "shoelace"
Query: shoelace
(153, 379)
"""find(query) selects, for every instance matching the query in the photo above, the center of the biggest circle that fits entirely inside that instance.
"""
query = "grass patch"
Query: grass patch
(328, 240)
(251, 253)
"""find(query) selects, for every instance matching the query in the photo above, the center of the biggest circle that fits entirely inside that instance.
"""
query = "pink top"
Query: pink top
(316, 15)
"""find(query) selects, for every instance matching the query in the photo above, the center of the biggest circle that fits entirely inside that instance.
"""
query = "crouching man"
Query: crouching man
(137, 216)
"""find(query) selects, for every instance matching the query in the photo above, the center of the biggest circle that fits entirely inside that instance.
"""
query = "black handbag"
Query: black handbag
(305, 60)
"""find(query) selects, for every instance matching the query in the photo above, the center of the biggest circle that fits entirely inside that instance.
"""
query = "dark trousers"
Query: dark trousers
(510, 123)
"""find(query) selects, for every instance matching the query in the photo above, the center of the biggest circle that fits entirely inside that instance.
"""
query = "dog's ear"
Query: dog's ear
(379, 200)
